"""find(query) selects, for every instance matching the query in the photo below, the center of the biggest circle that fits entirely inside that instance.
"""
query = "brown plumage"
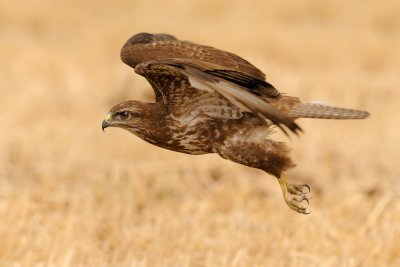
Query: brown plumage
(212, 101)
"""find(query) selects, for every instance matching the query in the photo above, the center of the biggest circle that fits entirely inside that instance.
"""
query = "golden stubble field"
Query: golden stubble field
(71, 195)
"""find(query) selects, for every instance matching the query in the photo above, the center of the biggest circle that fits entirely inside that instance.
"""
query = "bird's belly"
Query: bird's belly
(191, 143)
(195, 139)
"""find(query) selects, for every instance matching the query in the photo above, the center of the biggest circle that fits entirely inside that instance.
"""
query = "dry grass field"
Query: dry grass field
(71, 195)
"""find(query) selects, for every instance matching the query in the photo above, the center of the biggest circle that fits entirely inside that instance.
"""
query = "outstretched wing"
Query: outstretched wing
(198, 78)
(144, 47)
(184, 83)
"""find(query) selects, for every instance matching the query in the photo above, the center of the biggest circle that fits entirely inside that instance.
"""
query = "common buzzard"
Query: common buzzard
(211, 101)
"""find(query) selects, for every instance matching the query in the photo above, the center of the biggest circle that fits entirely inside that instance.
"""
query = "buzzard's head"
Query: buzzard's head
(129, 115)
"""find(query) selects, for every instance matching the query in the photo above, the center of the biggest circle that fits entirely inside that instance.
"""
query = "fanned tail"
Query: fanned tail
(319, 111)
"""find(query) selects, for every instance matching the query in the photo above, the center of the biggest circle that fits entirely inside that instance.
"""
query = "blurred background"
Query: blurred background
(71, 195)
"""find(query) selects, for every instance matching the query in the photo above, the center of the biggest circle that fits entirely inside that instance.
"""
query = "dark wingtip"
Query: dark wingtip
(293, 127)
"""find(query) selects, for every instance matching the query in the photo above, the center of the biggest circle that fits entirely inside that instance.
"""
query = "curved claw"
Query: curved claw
(308, 187)
(296, 195)
(306, 212)
(301, 210)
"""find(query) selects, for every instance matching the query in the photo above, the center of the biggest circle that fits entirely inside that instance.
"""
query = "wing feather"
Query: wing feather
(144, 47)
(175, 68)
(239, 96)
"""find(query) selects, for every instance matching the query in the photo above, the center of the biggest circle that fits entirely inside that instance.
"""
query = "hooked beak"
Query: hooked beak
(106, 122)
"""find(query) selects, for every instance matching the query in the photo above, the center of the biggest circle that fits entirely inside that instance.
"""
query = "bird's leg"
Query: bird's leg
(295, 195)
(269, 156)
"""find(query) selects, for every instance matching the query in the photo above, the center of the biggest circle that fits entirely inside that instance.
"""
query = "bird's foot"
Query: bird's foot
(296, 195)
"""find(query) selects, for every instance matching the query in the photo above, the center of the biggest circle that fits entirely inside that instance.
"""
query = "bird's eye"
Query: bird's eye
(125, 115)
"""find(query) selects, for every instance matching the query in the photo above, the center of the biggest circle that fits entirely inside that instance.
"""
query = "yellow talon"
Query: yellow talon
(295, 195)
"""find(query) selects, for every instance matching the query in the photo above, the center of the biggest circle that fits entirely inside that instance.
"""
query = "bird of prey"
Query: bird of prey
(211, 101)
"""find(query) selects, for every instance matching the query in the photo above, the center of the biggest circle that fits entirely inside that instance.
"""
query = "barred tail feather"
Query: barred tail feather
(311, 110)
